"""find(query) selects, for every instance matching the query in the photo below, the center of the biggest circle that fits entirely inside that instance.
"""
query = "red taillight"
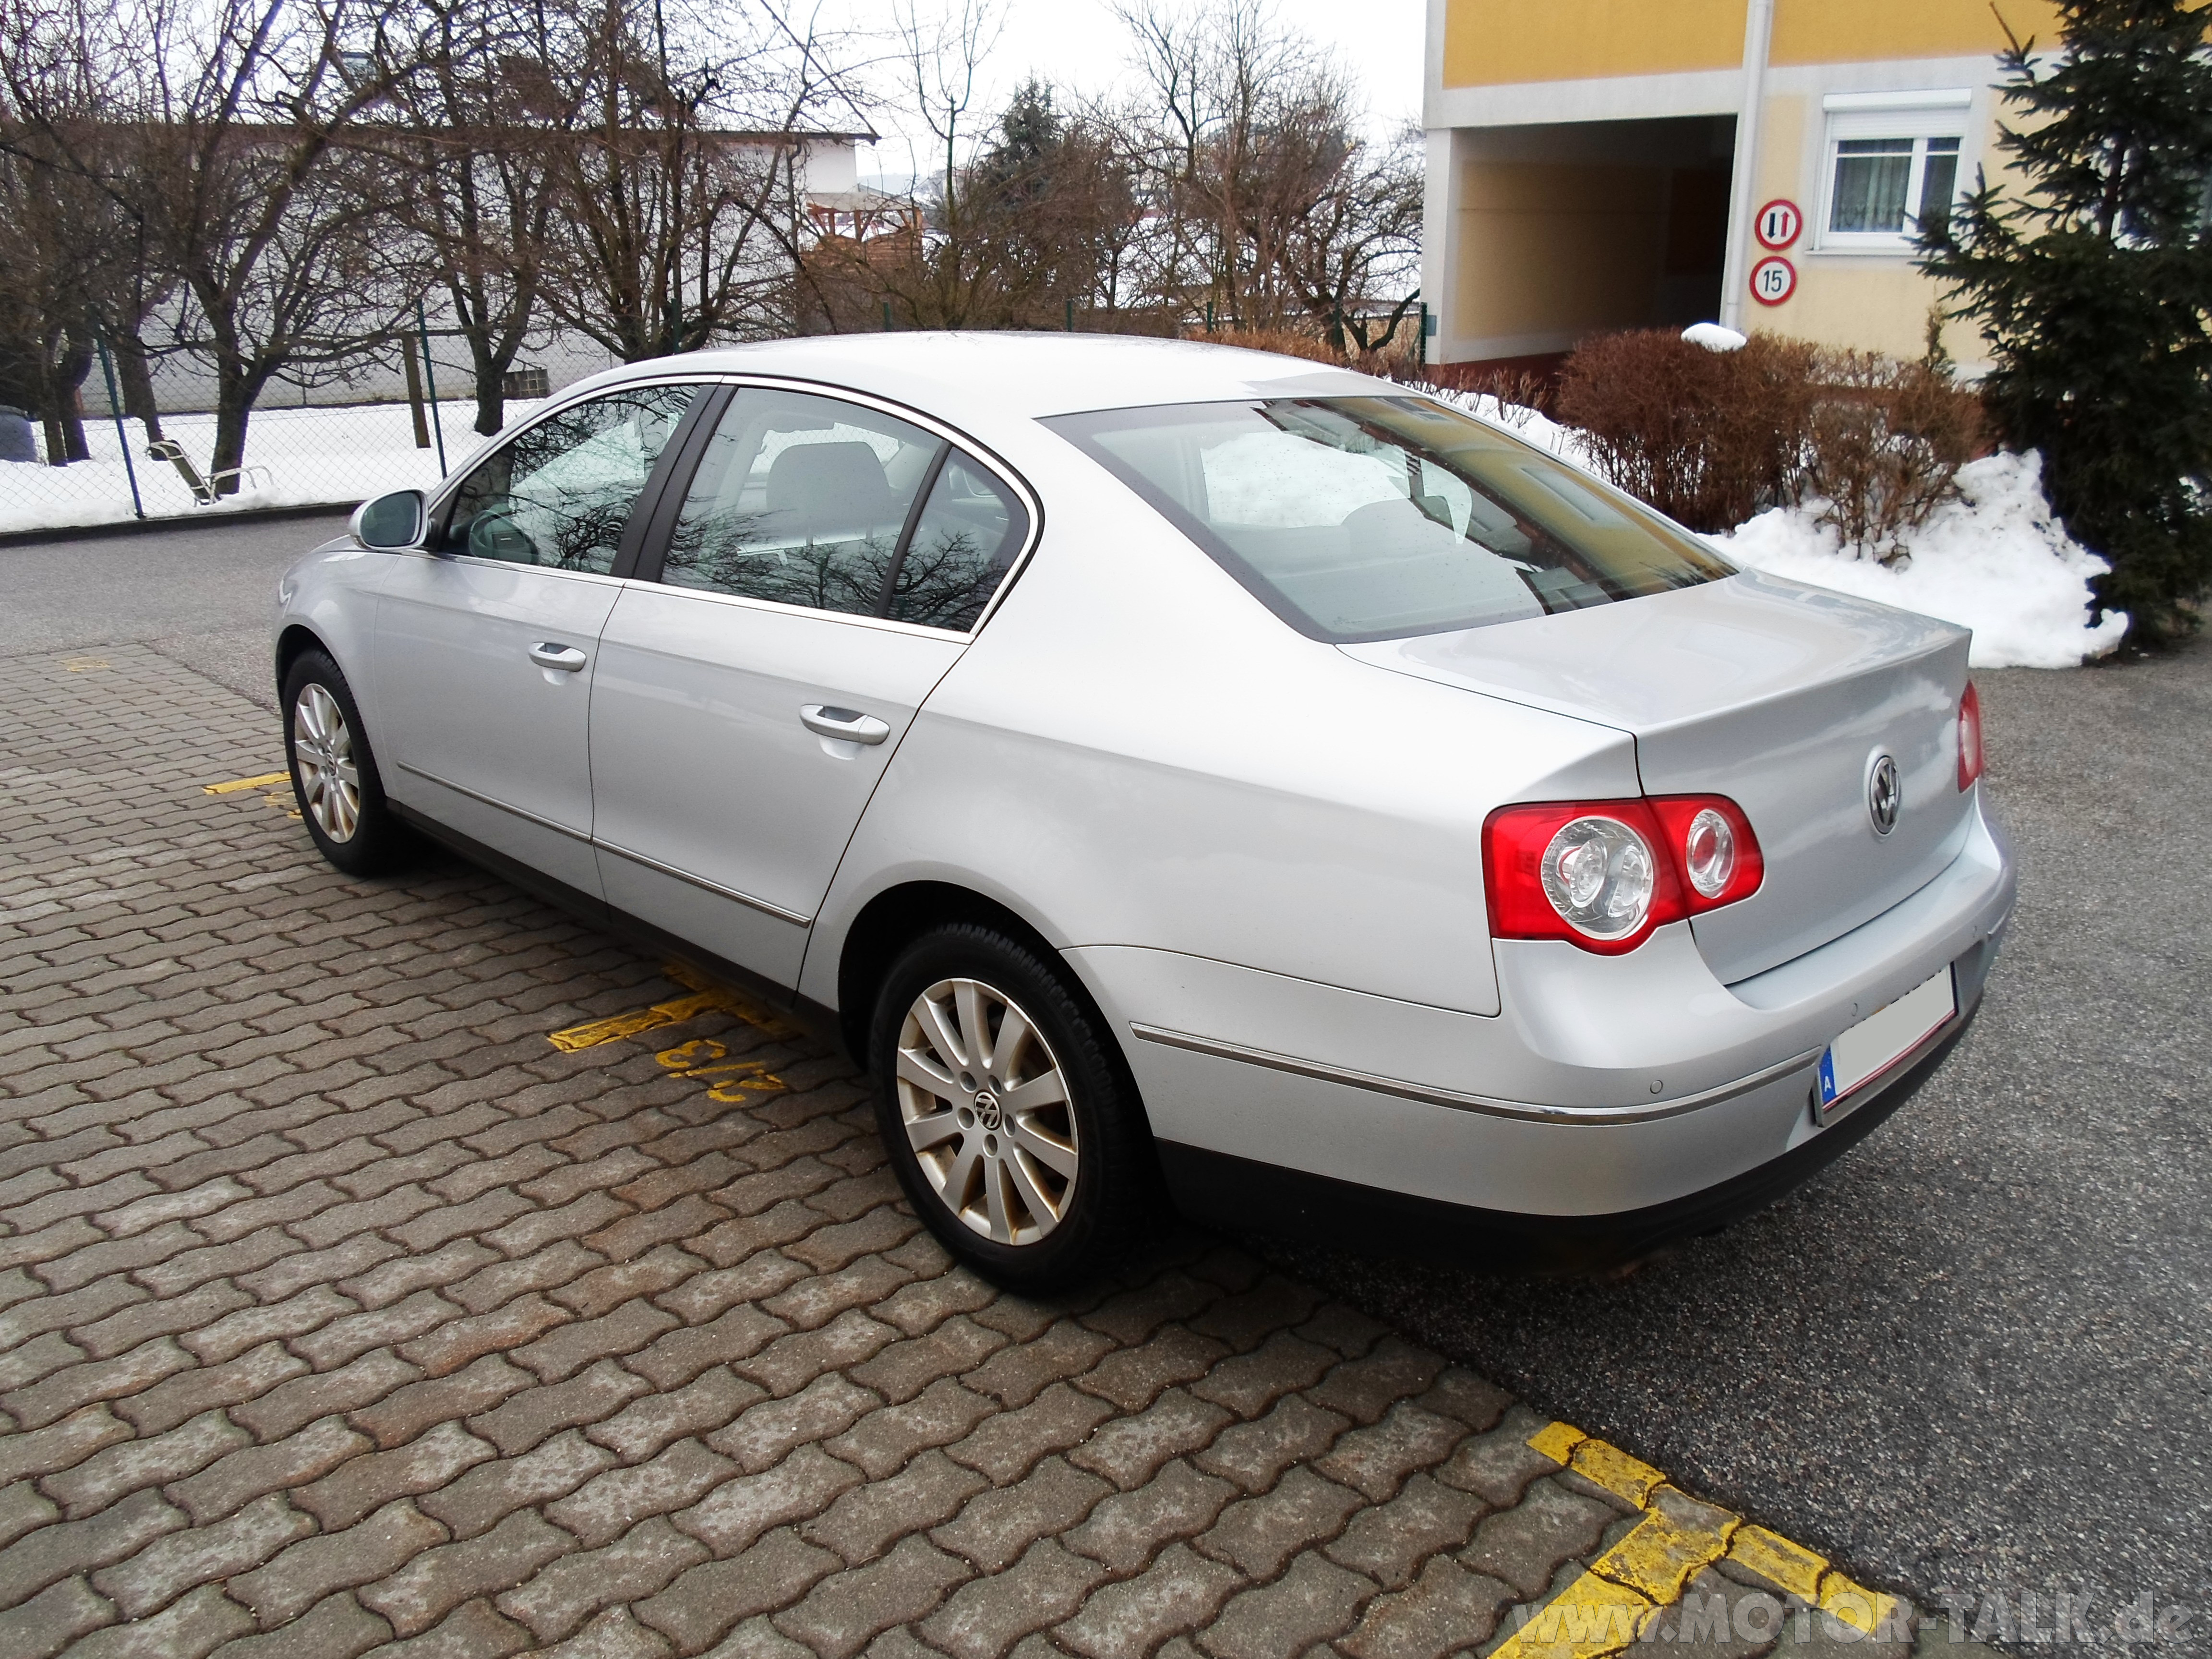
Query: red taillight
(1603, 874)
(1970, 737)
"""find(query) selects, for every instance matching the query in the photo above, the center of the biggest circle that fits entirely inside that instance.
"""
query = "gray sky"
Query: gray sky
(1081, 46)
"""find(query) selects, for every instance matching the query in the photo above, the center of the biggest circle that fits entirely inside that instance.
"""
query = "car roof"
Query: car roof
(1025, 374)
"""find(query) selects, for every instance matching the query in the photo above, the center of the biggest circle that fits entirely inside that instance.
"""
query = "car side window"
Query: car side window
(560, 495)
(970, 531)
(801, 500)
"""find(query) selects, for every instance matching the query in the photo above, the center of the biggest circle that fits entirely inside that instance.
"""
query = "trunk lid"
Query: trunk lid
(1777, 694)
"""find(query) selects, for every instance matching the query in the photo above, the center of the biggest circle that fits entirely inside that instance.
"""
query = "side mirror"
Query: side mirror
(389, 521)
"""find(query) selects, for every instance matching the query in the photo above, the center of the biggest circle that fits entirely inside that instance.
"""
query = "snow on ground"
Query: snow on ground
(1994, 560)
(312, 457)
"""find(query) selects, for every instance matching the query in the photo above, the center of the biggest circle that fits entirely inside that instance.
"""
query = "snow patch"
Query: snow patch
(1714, 338)
(1994, 560)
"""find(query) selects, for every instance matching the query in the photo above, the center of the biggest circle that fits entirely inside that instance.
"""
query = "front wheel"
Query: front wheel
(1011, 1127)
(334, 773)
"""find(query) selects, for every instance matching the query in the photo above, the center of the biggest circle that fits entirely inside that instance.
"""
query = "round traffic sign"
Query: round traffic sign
(1773, 281)
(1778, 223)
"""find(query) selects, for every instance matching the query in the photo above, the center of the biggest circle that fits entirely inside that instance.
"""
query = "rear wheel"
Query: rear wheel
(334, 773)
(1006, 1114)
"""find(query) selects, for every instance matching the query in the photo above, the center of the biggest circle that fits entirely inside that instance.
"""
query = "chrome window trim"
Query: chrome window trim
(1527, 1111)
(992, 462)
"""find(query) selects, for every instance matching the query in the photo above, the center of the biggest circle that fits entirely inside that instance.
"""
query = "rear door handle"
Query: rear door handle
(848, 723)
(563, 659)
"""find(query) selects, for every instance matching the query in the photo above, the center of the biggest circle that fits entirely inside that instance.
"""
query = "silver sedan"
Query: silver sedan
(1163, 763)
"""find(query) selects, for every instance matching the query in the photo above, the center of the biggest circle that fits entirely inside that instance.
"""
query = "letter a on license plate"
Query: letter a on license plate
(1877, 1042)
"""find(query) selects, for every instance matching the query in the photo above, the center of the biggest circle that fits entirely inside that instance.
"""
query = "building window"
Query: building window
(1891, 170)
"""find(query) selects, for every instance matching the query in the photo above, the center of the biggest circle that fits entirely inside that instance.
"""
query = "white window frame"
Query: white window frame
(1918, 116)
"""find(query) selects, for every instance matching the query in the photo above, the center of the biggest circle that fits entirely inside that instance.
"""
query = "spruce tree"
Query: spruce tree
(2090, 276)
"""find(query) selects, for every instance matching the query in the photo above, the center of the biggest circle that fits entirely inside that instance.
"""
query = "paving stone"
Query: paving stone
(570, 1348)
(239, 1477)
(406, 1412)
(1127, 1528)
(919, 1308)
(883, 1441)
(1129, 1450)
(53, 1552)
(499, 1283)
(735, 1513)
(1006, 1445)
(1131, 1316)
(591, 1396)
(570, 1589)
(711, 1291)
(489, 1492)
(144, 1321)
(757, 1639)
(345, 1339)
(338, 1627)
(195, 1627)
(421, 1592)
(117, 1380)
(604, 1288)
(1375, 1462)
(1180, 1592)
(166, 1568)
(1254, 1455)
(1498, 1466)
(864, 1522)
(1312, 1602)
(1246, 1318)
(986, 1617)
(904, 1369)
(341, 1498)
(790, 1362)
(55, 1618)
(1366, 1387)
(1702, 1621)
(1525, 1544)
(473, 1631)
(997, 1527)
(1390, 1541)
(24, 1508)
(711, 1598)
(1250, 1383)
(1017, 1375)
(705, 1405)
(610, 1505)
(291, 1406)
(60, 1444)
(391, 1281)
(1458, 1393)
(681, 1355)
(450, 1345)
(1259, 1535)
(765, 1435)
(843, 1612)
(101, 1479)
(317, 1567)
(1448, 1609)
(613, 1635)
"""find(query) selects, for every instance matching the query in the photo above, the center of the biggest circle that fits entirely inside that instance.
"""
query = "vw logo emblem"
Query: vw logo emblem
(1884, 794)
(987, 1110)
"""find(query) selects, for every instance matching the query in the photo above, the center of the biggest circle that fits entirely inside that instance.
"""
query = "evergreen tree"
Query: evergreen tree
(2091, 281)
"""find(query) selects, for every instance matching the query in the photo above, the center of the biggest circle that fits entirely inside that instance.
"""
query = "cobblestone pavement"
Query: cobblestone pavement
(345, 1312)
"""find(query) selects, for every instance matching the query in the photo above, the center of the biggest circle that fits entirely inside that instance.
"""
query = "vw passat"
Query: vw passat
(1153, 759)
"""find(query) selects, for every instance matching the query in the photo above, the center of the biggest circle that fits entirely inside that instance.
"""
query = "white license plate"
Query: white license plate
(1884, 1037)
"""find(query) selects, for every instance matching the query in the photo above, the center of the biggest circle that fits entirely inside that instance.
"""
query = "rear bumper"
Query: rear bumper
(1220, 1189)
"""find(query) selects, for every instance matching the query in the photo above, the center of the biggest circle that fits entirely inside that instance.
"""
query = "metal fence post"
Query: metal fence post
(115, 409)
(430, 375)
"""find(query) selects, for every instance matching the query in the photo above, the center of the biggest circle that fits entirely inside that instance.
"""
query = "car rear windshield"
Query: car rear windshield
(1377, 517)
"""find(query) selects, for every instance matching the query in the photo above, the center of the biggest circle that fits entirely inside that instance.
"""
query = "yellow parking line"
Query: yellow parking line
(1625, 1591)
(706, 997)
(237, 784)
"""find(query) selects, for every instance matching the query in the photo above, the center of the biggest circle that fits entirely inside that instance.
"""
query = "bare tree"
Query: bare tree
(213, 130)
(680, 173)
(1359, 242)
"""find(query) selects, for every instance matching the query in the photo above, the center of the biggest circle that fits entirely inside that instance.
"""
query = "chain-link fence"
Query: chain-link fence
(370, 427)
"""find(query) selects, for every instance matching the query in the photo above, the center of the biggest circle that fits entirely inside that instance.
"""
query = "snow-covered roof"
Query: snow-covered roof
(1030, 374)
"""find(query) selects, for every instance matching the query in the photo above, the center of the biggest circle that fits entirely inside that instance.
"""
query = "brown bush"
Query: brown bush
(1709, 438)
(1887, 441)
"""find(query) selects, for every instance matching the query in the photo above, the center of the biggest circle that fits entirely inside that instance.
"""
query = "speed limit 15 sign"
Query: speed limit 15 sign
(1773, 281)
(1778, 224)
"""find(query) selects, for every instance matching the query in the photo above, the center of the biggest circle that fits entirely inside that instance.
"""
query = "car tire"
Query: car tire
(334, 775)
(1031, 1195)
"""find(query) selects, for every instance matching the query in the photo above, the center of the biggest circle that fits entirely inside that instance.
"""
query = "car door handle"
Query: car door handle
(565, 659)
(849, 724)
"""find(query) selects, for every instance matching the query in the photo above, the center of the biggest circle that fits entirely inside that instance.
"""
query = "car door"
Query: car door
(484, 645)
(815, 581)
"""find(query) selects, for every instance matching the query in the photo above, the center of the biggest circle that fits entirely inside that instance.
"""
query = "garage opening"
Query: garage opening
(1579, 228)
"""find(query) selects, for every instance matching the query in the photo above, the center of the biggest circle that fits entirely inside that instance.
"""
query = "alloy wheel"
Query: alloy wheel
(323, 757)
(986, 1109)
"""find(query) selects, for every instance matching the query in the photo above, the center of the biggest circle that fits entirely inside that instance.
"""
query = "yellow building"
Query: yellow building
(1607, 164)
